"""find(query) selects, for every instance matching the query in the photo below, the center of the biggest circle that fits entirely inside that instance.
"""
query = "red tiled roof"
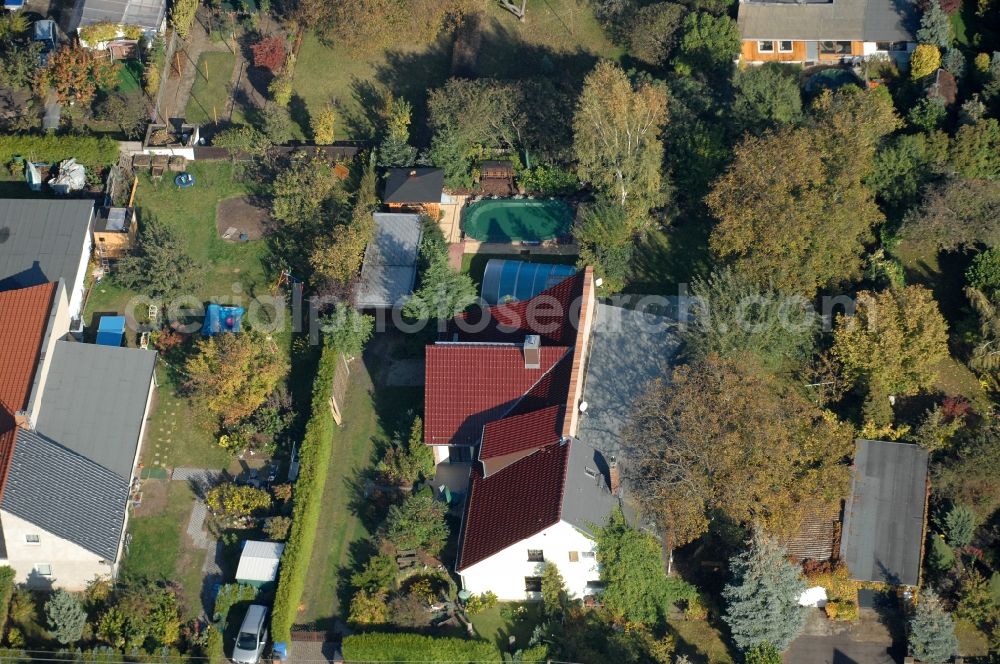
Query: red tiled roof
(24, 314)
(518, 433)
(517, 502)
(470, 385)
(552, 314)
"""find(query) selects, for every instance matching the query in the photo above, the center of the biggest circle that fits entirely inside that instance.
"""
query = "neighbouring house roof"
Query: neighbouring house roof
(390, 265)
(95, 400)
(564, 481)
(628, 349)
(147, 14)
(816, 535)
(884, 516)
(42, 240)
(259, 561)
(468, 385)
(24, 314)
(66, 494)
(414, 185)
(839, 20)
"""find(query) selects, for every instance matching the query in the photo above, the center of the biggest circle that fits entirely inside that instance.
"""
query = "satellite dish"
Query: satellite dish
(598, 282)
(583, 406)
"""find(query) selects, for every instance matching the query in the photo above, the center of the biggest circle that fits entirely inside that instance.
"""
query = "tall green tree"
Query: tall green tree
(935, 26)
(904, 165)
(347, 329)
(955, 214)
(616, 137)
(708, 45)
(606, 235)
(159, 264)
(443, 292)
(932, 631)
(975, 153)
(967, 475)
(722, 436)
(395, 148)
(66, 616)
(554, 598)
(762, 598)
(891, 345)
(653, 31)
(767, 97)
(419, 523)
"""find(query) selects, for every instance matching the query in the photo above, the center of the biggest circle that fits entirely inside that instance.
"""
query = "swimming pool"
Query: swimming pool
(514, 220)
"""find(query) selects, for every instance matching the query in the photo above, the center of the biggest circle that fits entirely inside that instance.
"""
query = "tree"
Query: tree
(935, 26)
(368, 608)
(338, 252)
(182, 16)
(924, 61)
(722, 436)
(968, 475)
(394, 148)
(767, 97)
(927, 114)
(12, 26)
(277, 122)
(637, 589)
(554, 596)
(368, 25)
(904, 165)
(66, 616)
(19, 61)
(733, 318)
(975, 602)
(232, 374)
(418, 523)
(932, 631)
(762, 598)
(955, 214)
(954, 61)
(269, 53)
(958, 525)
(891, 345)
(129, 116)
(322, 125)
(347, 329)
(605, 233)
(75, 73)
(379, 573)
(243, 138)
(653, 31)
(975, 152)
(709, 44)
(443, 292)
(237, 501)
(408, 462)
(814, 184)
(616, 137)
(984, 273)
(986, 353)
(277, 528)
(159, 264)
(280, 89)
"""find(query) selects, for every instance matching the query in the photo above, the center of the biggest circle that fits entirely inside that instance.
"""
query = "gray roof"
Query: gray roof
(390, 266)
(854, 20)
(147, 14)
(884, 517)
(95, 400)
(42, 240)
(587, 502)
(66, 494)
(627, 350)
(414, 185)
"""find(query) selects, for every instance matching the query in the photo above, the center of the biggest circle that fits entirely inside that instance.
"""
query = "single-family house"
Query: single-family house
(43, 241)
(825, 31)
(885, 515)
(259, 562)
(72, 420)
(389, 270)
(415, 189)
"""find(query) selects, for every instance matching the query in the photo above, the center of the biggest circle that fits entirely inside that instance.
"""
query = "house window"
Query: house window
(574, 556)
(536, 556)
(765, 47)
(589, 554)
(890, 46)
(834, 48)
(43, 569)
(532, 584)
(784, 47)
(32, 539)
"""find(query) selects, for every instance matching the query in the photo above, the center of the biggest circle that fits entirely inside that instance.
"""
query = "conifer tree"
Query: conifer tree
(932, 631)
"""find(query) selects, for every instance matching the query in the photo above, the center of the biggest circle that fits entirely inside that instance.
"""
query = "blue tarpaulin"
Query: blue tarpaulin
(222, 319)
(110, 330)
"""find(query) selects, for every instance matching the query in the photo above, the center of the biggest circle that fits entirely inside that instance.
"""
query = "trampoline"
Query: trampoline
(221, 319)
(510, 281)
(510, 220)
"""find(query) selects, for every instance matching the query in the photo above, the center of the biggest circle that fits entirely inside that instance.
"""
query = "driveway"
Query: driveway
(824, 641)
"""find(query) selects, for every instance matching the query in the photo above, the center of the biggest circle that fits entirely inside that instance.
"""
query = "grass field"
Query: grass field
(210, 91)
(700, 641)
(668, 258)
(492, 626)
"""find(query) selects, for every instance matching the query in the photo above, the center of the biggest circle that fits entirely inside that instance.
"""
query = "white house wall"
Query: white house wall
(72, 566)
(504, 572)
(77, 290)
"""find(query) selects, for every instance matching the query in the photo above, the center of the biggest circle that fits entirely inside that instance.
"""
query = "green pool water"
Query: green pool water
(508, 220)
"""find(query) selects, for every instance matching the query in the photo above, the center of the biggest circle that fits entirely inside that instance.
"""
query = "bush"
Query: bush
(277, 528)
(228, 596)
(984, 273)
(940, 558)
(314, 461)
(7, 575)
(419, 523)
(482, 602)
(322, 125)
(66, 616)
(281, 90)
(840, 609)
(548, 180)
(237, 501)
(269, 53)
(378, 647)
(89, 151)
(925, 61)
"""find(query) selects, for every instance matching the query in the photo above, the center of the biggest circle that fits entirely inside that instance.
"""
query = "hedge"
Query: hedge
(387, 647)
(7, 575)
(88, 150)
(314, 461)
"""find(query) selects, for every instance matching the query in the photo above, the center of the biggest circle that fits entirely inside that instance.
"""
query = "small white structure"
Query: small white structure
(71, 177)
(814, 597)
(259, 563)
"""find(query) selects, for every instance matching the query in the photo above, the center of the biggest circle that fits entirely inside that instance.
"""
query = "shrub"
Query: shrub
(368, 608)
(378, 647)
(379, 573)
(228, 596)
(281, 90)
(89, 151)
(419, 523)
(182, 16)
(66, 616)
(924, 61)
(840, 609)
(7, 575)
(277, 528)
(984, 273)
(958, 525)
(322, 125)
(481, 602)
(548, 180)
(763, 653)
(269, 53)
(151, 80)
(314, 461)
(237, 501)
(99, 32)
(940, 558)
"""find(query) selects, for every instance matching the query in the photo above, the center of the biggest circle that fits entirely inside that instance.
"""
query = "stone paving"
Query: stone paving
(196, 525)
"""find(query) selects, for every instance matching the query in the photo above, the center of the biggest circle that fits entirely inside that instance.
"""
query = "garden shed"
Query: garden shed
(259, 563)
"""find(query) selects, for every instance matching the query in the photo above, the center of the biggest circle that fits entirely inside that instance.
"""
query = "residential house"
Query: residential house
(72, 420)
(825, 31)
(415, 190)
(389, 270)
(43, 241)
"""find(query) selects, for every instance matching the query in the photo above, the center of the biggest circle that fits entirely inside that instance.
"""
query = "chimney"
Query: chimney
(614, 476)
(22, 420)
(532, 351)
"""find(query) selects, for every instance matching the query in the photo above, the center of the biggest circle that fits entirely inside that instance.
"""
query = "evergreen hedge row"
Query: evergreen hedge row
(388, 647)
(7, 575)
(314, 461)
(88, 150)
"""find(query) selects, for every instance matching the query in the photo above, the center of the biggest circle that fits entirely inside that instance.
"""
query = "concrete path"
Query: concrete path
(196, 525)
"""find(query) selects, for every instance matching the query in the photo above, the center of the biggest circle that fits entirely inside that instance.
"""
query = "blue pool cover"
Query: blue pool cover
(221, 319)
(511, 281)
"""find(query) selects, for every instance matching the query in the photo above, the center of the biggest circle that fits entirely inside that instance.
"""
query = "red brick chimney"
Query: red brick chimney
(614, 476)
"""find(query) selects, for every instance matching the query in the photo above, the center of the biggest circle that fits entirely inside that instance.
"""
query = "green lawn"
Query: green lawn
(668, 258)
(700, 641)
(210, 91)
(492, 626)
(157, 538)
(130, 77)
